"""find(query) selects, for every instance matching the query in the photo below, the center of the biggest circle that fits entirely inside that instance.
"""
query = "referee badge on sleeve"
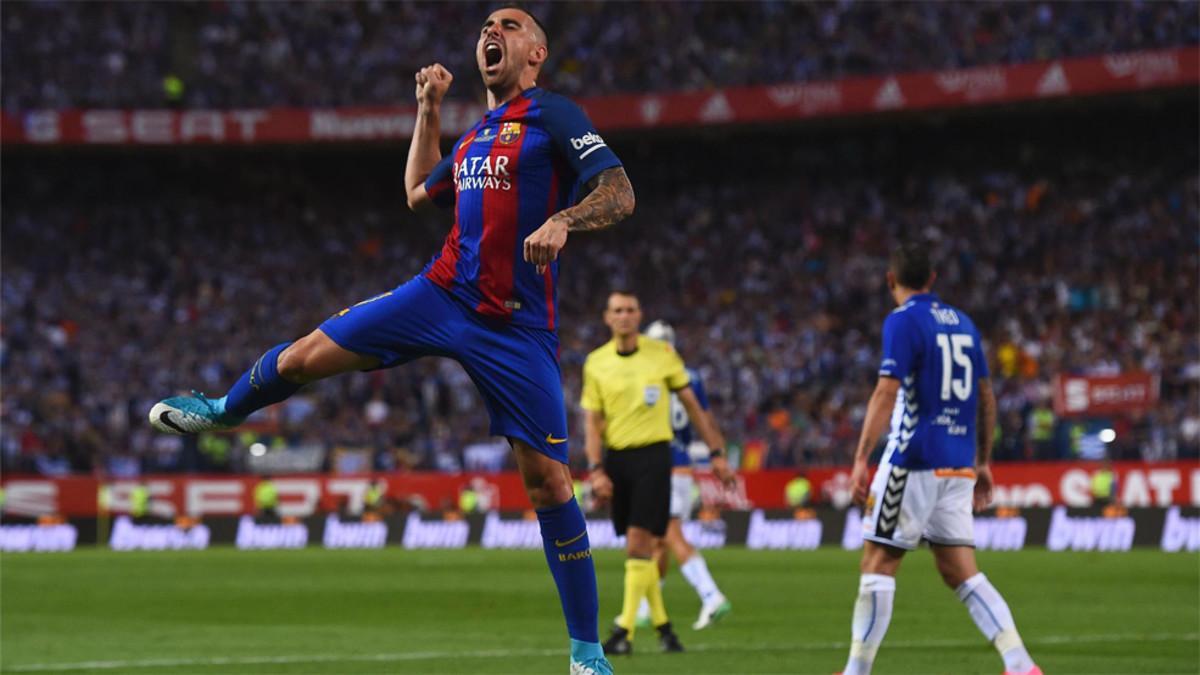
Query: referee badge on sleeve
(652, 393)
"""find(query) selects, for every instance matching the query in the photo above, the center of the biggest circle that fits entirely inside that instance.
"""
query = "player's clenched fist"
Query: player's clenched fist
(542, 247)
(432, 83)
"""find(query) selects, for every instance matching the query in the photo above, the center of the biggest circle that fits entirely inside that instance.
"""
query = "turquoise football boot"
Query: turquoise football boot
(587, 658)
(181, 415)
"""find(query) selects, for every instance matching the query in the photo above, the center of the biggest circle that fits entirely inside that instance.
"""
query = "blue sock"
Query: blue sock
(565, 540)
(260, 386)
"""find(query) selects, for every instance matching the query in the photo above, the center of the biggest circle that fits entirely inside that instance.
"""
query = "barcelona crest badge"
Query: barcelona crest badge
(509, 132)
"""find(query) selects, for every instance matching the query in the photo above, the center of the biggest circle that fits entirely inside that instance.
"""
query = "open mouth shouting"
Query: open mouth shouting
(493, 56)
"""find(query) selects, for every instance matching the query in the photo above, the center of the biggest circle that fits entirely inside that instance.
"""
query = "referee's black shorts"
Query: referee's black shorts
(641, 479)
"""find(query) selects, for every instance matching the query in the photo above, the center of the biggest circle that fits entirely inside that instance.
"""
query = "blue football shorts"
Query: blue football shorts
(515, 368)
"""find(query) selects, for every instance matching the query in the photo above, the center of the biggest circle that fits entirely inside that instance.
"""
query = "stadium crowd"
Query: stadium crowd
(252, 54)
(132, 276)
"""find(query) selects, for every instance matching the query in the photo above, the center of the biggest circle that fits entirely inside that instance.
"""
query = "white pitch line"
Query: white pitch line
(503, 653)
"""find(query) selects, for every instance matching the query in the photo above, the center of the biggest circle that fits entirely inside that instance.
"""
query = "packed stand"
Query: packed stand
(254, 54)
(135, 277)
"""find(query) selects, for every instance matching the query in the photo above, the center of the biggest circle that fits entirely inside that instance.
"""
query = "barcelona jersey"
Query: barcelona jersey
(936, 353)
(520, 164)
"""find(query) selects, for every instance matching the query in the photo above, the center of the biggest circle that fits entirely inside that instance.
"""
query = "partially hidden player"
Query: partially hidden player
(714, 606)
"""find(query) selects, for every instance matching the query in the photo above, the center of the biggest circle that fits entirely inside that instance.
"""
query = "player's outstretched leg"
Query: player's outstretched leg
(568, 553)
(276, 375)
(986, 606)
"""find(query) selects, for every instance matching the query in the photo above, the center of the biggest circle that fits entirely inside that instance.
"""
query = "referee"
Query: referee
(627, 384)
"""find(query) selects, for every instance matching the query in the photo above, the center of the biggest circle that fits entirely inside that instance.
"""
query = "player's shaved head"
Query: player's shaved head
(510, 53)
(539, 30)
(910, 264)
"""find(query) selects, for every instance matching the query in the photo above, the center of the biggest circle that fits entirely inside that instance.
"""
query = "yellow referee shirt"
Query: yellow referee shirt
(633, 391)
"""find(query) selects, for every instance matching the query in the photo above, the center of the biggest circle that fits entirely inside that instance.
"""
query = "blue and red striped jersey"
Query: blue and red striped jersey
(520, 164)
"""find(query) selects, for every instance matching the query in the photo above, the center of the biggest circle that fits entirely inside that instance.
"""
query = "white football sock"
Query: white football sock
(695, 570)
(872, 614)
(992, 616)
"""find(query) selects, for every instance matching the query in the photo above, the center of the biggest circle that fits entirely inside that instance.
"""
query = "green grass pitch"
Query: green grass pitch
(481, 611)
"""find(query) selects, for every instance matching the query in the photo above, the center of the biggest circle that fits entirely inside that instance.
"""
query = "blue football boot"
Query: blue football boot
(181, 415)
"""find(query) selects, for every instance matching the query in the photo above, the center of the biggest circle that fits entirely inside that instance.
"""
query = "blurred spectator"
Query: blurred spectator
(266, 500)
(1103, 484)
(376, 499)
(1041, 430)
(139, 501)
(252, 54)
(797, 491)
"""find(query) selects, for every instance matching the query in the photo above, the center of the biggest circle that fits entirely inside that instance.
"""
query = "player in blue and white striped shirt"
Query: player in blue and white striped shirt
(934, 387)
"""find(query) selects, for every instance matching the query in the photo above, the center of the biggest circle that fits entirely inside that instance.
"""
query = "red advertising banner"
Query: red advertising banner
(1030, 484)
(1017, 484)
(1107, 74)
(1104, 395)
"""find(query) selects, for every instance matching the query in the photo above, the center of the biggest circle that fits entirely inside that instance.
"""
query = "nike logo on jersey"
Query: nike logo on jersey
(554, 441)
(570, 541)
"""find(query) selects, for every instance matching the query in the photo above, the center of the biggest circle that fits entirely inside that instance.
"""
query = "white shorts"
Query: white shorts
(681, 495)
(905, 506)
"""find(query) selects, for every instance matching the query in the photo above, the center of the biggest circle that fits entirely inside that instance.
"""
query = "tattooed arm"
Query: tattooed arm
(609, 201)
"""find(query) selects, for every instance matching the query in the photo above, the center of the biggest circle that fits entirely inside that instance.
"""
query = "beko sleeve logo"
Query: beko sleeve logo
(591, 141)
